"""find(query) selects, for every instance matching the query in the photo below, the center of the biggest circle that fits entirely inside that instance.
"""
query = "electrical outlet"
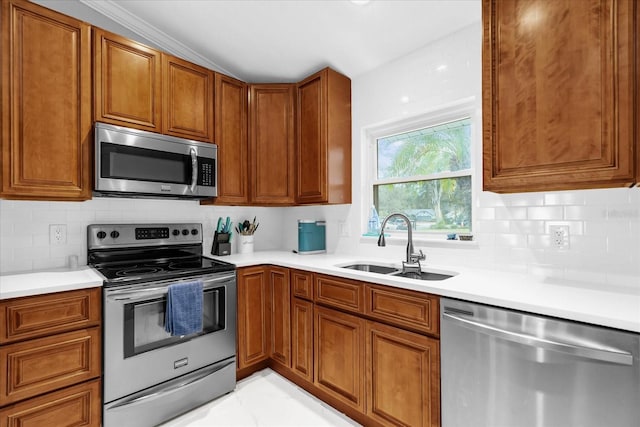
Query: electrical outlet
(559, 236)
(343, 229)
(57, 234)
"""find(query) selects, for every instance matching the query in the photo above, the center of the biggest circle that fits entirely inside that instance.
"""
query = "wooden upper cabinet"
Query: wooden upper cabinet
(46, 104)
(127, 82)
(324, 138)
(231, 139)
(187, 99)
(272, 144)
(558, 85)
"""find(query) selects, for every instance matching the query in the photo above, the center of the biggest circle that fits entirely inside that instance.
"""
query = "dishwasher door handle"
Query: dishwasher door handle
(603, 354)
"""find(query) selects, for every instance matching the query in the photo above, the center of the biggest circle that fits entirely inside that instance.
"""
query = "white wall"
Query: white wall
(511, 230)
(24, 226)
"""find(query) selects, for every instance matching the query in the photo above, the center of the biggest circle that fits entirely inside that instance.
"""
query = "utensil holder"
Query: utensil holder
(221, 245)
(245, 243)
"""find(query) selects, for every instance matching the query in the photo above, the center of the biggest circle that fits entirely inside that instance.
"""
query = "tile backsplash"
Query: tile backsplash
(512, 233)
(24, 226)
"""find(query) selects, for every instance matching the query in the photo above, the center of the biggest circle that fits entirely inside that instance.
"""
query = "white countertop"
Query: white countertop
(45, 282)
(617, 308)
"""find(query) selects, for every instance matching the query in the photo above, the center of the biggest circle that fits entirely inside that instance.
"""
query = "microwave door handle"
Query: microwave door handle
(194, 169)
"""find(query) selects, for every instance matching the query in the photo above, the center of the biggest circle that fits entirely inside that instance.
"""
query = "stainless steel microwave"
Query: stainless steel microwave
(136, 163)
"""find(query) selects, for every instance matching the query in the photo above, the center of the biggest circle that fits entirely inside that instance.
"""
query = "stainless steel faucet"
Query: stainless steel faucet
(412, 264)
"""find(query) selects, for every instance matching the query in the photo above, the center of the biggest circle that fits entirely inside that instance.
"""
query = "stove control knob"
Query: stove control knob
(185, 232)
(194, 231)
(176, 232)
(114, 234)
(101, 235)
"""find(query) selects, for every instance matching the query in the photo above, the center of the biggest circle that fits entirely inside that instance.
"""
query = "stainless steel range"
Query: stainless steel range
(151, 376)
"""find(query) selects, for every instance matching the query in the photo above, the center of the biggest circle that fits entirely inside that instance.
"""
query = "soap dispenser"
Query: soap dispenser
(373, 226)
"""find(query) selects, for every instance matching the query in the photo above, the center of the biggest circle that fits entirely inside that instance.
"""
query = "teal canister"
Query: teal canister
(312, 236)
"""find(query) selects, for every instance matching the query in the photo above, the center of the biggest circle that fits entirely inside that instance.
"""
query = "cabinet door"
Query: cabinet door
(271, 139)
(558, 103)
(403, 377)
(302, 338)
(45, 364)
(77, 406)
(253, 316)
(231, 138)
(187, 99)
(280, 316)
(324, 138)
(312, 149)
(339, 351)
(46, 104)
(127, 82)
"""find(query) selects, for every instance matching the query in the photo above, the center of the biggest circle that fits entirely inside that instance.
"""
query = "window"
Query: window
(424, 172)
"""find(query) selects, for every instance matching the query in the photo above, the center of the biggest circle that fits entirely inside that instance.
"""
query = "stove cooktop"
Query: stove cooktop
(161, 270)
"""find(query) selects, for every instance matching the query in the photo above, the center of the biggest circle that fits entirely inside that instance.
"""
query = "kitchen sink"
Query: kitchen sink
(394, 271)
(372, 268)
(423, 275)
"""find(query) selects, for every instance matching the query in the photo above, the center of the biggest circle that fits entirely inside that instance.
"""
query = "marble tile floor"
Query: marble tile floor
(264, 399)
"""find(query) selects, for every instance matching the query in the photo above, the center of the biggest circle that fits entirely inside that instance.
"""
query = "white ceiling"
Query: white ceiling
(286, 40)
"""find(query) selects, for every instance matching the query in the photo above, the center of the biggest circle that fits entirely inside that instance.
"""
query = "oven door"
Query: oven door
(138, 353)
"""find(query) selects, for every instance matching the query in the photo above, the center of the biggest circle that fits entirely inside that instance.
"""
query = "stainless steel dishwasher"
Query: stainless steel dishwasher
(506, 368)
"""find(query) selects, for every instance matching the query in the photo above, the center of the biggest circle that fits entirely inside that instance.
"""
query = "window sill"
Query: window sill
(424, 241)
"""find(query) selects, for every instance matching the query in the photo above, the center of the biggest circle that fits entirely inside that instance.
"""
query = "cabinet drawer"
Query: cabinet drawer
(409, 309)
(302, 284)
(44, 315)
(340, 293)
(38, 366)
(76, 406)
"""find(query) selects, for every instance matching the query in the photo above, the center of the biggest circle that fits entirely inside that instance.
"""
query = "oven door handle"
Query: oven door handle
(144, 398)
(157, 291)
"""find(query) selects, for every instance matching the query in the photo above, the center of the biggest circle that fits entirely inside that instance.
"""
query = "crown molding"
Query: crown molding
(116, 13)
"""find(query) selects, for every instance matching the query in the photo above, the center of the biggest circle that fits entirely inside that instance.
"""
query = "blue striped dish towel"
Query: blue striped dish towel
(183, 315)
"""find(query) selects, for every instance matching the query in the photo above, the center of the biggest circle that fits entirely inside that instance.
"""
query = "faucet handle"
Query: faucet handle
(420, 256)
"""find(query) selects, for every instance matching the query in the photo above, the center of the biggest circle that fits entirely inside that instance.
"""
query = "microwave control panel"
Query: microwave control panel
(206, 172)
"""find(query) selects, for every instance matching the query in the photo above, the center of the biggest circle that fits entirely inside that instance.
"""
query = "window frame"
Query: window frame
(459, 110)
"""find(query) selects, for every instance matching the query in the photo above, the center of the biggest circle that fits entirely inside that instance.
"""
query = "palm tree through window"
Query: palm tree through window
(426, 174)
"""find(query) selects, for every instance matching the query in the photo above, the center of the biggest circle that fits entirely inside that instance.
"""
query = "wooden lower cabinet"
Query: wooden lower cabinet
(280, 306)
(253, 316)
(302, 284)
(51, 360)
(76, 406)
(302, 338)
(38, 366)
(371, 351)
(403, 377)
(339, 349)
